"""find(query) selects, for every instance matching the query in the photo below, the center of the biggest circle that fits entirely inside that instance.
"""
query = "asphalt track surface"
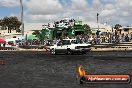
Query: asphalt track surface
(41, 70)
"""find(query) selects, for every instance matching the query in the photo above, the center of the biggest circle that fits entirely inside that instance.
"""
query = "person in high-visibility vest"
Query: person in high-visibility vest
(81, 71)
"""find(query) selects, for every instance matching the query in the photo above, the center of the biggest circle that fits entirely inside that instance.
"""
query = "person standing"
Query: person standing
(4, 44)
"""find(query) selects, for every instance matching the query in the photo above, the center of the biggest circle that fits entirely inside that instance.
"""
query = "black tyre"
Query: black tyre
(69, 52)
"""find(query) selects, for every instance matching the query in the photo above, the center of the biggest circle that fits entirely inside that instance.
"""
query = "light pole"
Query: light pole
(98, 20)
(97, 33)
(22, 29)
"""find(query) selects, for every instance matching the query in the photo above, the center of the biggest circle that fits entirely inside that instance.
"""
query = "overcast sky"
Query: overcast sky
(44, 11)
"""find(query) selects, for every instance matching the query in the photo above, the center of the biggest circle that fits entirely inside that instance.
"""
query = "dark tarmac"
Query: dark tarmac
(32, 69)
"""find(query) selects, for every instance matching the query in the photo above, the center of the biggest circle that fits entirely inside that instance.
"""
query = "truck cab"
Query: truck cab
(70, 46)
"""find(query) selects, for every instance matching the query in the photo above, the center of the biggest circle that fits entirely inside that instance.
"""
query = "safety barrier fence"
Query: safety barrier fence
(121, 46)
(35, 48)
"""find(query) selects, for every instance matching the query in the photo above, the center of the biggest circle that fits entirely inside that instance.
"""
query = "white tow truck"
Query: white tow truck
(70, 46)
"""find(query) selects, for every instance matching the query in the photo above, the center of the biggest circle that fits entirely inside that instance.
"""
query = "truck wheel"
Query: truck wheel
(84, 52)
(53, 51)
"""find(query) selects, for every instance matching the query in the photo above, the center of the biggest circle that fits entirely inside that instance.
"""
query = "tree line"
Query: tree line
(10, 23)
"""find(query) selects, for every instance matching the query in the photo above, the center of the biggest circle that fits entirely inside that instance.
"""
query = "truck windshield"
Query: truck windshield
(76, 42)
(66, 42)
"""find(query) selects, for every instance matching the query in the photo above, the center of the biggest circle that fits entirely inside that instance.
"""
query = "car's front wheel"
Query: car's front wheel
(69, 52)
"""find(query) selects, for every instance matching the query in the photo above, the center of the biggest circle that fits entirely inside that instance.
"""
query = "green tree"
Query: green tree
(39, 34)
(14, 24)
(18, 24)
(87, 29)
(42, 34)
(0, 21)
(3, 26)
(36, 32)
(6, 23)
(117, 26)
(11, 23)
